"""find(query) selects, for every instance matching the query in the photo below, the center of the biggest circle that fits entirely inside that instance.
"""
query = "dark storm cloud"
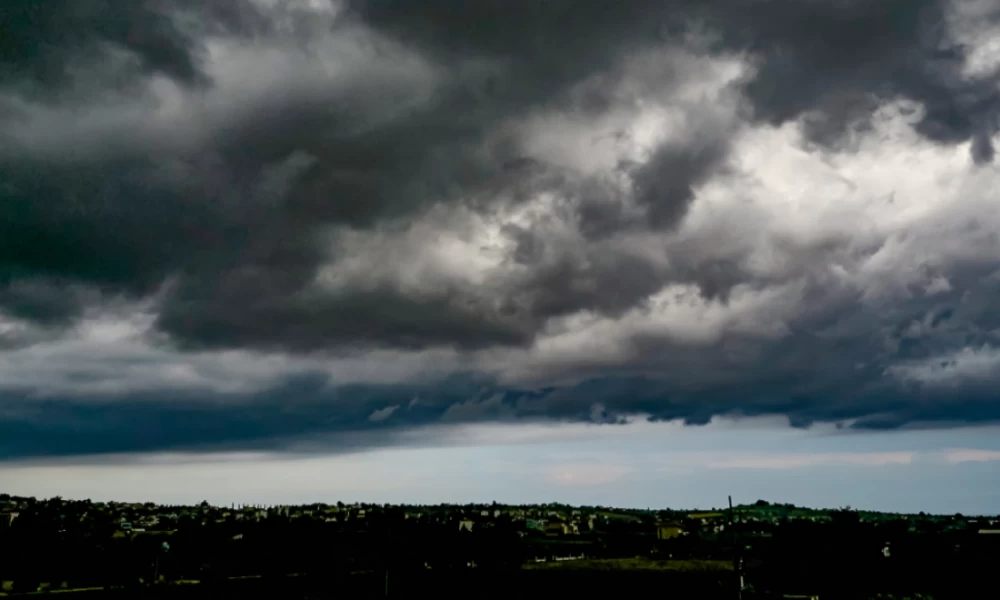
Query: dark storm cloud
(306, 416)
(375, 155)
(838, 60)
(300, 410)
(226, 214)
(44, 41)
(832, 369)
(665, 182)
(606, 281)
(377, 317)
(129, 225)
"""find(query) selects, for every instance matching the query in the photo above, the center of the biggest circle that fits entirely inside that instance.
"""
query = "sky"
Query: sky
(640, 253)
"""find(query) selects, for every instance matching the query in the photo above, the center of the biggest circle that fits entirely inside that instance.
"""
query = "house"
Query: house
(668, 530)
(7, 519)
(465, 525)
(555, 527)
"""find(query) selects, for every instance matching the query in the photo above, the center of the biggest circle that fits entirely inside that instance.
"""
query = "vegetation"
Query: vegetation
(57, 546)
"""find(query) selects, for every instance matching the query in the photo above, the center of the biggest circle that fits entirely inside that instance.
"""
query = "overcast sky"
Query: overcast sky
(465, 250)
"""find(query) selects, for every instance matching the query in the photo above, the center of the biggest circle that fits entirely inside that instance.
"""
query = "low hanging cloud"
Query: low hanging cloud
(246, 224)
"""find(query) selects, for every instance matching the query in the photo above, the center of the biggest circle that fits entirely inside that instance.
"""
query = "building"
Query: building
(7, 519)
(465, 525)
(668, 530)
(556, 527)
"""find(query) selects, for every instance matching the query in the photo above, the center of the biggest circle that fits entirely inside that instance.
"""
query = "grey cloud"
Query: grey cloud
(982, 147)
(602, 279)
(664, 183)
(46, 44)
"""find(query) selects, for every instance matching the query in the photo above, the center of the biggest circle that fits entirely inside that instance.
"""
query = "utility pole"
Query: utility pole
(737, 561)
(388, 550)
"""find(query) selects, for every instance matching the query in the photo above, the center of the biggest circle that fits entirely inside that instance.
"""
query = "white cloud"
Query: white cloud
(586, 474)
(383, 413)
(806, 460)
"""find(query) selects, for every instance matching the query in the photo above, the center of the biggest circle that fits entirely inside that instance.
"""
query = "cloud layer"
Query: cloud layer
(250, 224)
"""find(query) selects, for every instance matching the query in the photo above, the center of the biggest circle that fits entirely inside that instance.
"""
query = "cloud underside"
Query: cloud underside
(244, 223)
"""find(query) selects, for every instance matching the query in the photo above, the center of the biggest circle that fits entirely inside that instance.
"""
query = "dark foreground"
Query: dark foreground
(526, 583)
(587, 580)
(521, 584)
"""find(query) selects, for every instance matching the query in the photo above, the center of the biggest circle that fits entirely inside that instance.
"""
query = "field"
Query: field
(633, 564)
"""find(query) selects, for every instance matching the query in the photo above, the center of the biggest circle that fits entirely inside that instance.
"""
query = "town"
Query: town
(100, 547)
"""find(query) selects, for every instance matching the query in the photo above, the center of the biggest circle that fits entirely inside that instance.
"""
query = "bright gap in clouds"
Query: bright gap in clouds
(650, 464)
